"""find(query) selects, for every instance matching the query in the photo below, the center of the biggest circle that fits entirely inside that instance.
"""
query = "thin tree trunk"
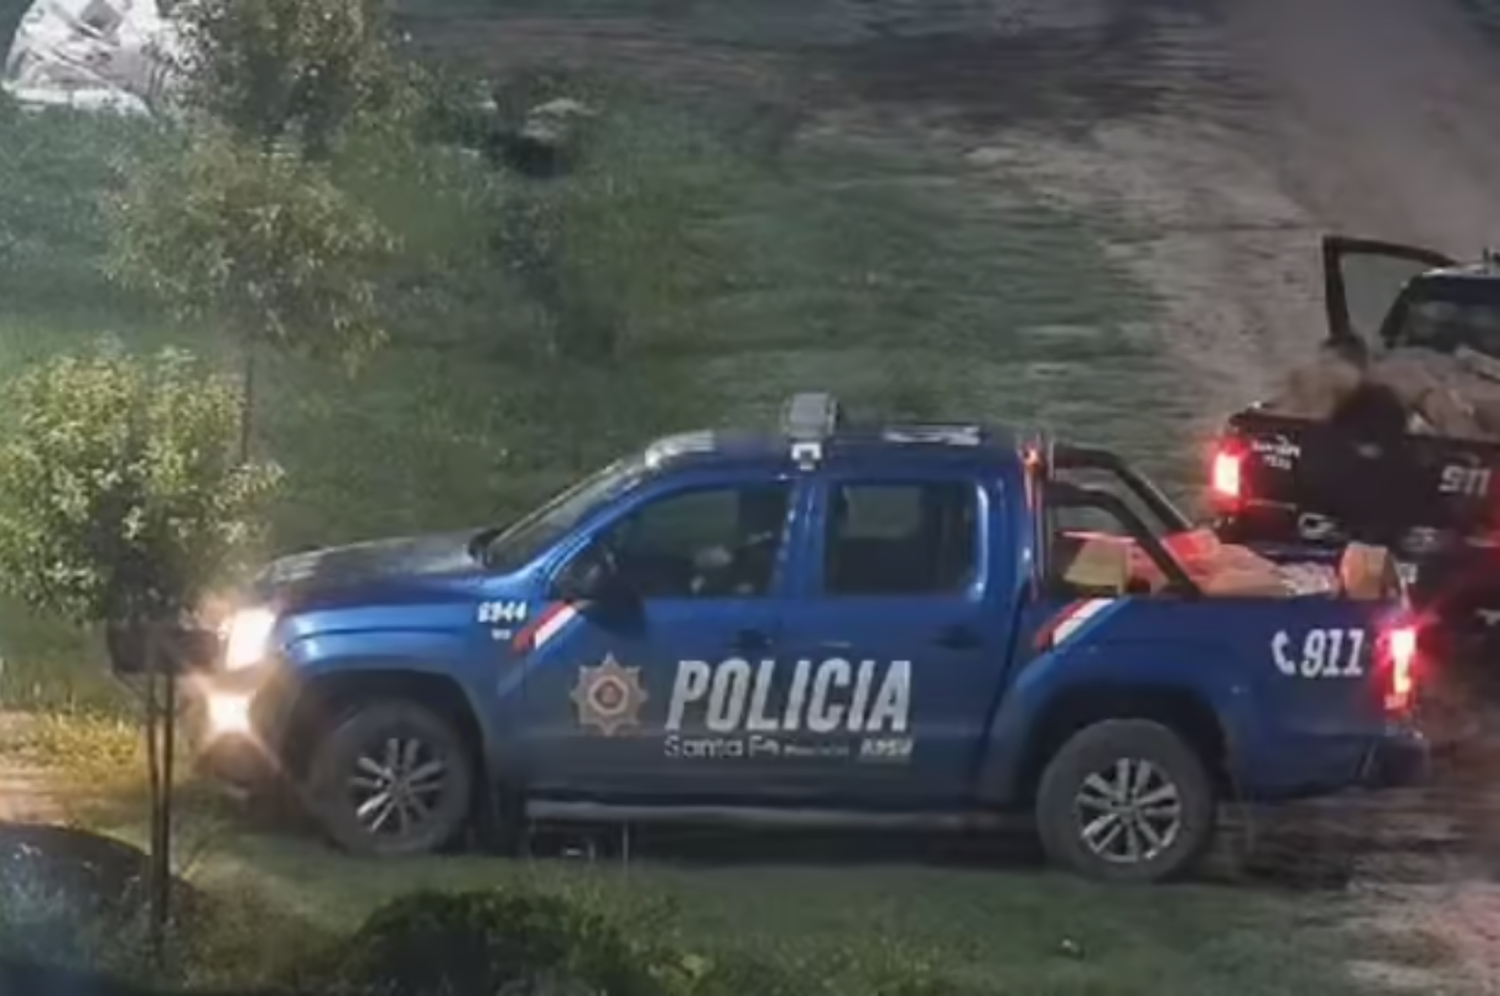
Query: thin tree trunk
(156, 910)
(161, 746)
(247, 404)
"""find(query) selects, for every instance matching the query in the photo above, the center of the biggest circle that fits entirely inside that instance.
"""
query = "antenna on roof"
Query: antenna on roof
(807, 421)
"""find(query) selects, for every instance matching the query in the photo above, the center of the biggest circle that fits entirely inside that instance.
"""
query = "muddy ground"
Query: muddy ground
(1232, 135)
(1227, 136)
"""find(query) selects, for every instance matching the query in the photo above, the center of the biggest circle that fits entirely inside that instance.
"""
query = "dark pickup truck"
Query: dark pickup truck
(1283, 481)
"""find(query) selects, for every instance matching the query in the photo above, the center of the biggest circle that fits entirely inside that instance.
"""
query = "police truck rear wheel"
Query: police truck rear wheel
(1126, 801)
(391, 780)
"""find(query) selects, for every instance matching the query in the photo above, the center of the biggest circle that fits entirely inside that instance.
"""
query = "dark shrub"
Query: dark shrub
(428, 944)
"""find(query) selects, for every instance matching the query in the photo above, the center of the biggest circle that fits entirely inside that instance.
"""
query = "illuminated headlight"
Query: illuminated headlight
(248, 638)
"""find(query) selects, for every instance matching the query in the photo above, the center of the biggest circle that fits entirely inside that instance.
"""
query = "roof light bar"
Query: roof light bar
(810, 417)
(808, 420)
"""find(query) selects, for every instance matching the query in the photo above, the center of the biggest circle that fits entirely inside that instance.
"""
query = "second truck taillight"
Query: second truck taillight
(1225, 475)
(1401, 665)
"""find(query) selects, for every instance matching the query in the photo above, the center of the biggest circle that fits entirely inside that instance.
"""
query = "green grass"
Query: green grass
(997, 931)
(975, 924)
(895, 279)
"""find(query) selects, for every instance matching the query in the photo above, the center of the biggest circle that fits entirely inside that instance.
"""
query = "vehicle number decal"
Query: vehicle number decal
(1323, 653)
(491, 613)
(1471, 482)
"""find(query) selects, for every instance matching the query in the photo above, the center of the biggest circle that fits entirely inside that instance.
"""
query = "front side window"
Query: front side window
(721, 542)
(901, 539)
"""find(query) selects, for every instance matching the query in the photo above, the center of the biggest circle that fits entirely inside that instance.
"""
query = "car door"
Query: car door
(635, 698)
(903, 636)
(1363, 278)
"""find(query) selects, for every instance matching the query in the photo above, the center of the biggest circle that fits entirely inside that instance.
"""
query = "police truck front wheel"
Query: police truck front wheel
(1126, 801)
(392, 779)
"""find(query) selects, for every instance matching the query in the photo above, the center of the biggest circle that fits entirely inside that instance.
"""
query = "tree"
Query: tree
(268, 245)
(121, 503)
(120, 496)
(279, 71)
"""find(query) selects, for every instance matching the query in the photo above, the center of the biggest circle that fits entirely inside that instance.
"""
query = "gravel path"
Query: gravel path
(26, 794)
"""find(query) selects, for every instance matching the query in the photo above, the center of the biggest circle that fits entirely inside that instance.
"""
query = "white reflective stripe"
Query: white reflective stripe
(1085, 612)
(554, 623)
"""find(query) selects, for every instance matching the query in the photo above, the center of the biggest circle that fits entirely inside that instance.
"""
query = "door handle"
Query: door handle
(958, 638)
(752, 639)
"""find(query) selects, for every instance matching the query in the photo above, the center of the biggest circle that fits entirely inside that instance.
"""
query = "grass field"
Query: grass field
(892, 278)
(858, 263)
(988, 930)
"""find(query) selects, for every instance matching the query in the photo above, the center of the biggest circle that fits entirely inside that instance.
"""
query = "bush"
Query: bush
(119, 495)
(273, 70)
(487, 942)
(440, 944)
(430, 944)
(266, 244)
(617, 252)
(70, 897)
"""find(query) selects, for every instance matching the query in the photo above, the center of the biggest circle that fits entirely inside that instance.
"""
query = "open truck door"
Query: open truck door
(1363, 281)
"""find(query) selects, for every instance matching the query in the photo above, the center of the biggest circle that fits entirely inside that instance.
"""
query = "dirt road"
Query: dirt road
(26, 794)
(1293, 117)
(1232, 134)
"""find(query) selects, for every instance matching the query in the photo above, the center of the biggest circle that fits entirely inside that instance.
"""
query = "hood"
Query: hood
(359, 565)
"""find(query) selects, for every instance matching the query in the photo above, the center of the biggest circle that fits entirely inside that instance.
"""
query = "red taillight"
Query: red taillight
(1226, 474)
(1401, 653)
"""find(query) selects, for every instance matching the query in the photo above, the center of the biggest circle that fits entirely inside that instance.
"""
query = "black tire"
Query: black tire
(334, 799)
(1068, 790)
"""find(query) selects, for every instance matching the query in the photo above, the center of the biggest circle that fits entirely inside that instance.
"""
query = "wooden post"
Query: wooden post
(161, 722)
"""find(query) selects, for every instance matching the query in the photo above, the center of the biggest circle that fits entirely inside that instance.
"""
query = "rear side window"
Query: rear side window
(900, 539)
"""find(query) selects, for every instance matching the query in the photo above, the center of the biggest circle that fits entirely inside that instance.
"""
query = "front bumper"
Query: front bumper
(241, 769)
(235, 724)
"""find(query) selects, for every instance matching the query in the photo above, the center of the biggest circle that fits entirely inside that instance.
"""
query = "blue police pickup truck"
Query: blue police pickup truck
(858, 626)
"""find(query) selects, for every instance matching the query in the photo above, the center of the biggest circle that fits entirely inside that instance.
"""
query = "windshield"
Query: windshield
(519, 543)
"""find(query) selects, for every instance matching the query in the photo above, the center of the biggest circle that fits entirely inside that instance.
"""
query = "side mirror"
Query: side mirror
(593, 576)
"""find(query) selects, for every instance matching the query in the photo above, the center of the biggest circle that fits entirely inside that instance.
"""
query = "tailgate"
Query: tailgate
(1328, 683)
(1303, 482)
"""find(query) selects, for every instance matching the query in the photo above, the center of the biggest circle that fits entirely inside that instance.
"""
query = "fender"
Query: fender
(404, 649)
(1166, 669)
(392, 655)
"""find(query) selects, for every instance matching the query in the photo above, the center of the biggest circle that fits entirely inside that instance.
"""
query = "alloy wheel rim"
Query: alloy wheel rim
(1129, 812)
(397, 785)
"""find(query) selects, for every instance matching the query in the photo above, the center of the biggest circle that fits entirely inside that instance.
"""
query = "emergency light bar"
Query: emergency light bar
(807, 420)
(811, 417)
